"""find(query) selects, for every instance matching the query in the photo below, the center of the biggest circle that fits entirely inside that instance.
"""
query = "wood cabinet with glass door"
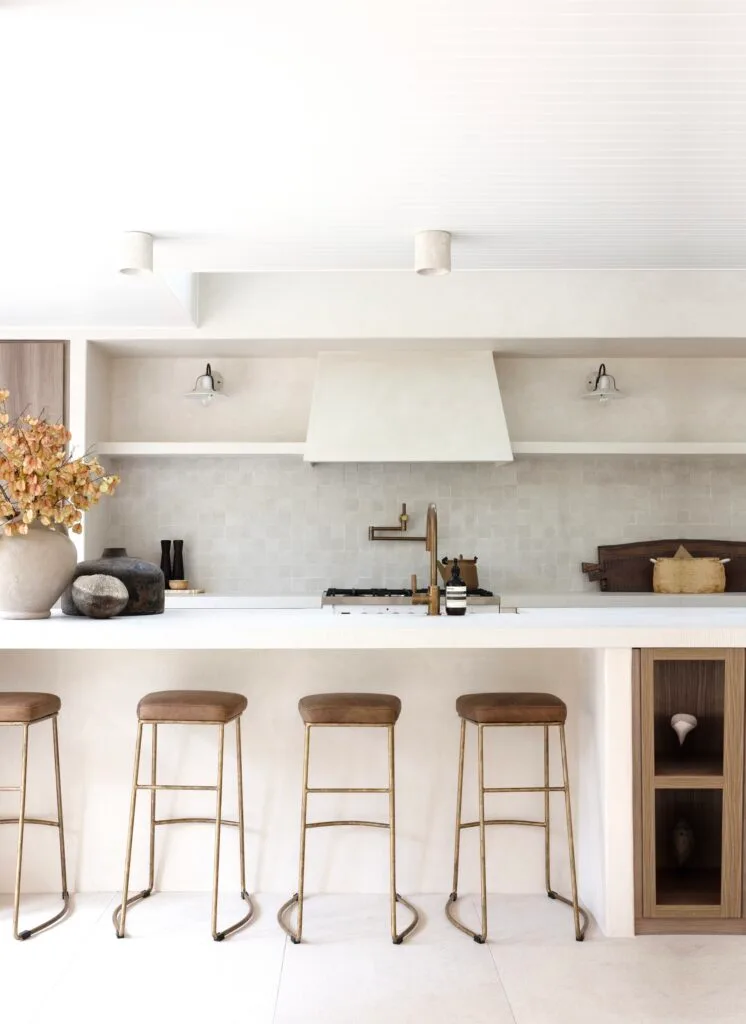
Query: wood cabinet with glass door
(689, 810)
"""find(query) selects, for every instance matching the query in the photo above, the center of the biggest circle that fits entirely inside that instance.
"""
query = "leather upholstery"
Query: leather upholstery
(28, 707)
(190, 706)
(511, 708)
(349, 709)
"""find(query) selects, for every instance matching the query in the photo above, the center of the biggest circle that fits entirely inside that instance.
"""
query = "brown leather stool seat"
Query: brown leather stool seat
(191, 706)
(511, 708)
(349, 709)
(28, 707)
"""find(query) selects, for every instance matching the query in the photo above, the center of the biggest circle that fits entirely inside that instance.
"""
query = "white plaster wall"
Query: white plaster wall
(268, 400)
(97, 728)
(665, 399)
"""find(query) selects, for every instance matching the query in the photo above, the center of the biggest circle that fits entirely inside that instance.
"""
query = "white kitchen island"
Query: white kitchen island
(100, 669)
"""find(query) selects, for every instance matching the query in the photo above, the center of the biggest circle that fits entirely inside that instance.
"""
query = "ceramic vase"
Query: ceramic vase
(143, 580)
(34, 570)
(683, 725)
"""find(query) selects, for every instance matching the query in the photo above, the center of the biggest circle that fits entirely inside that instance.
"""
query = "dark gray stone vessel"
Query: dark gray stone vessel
(144, 582)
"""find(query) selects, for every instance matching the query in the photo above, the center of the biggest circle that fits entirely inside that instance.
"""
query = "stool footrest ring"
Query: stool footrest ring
(218, 936)
(397, 939)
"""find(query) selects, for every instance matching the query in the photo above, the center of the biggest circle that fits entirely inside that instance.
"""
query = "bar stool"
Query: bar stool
(24, 710)
(487, 710)
(186, 707)
(349, 710)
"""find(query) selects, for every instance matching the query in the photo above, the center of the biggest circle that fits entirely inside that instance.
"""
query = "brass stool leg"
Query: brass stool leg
(120, 913)
(547, 840)
(153, 791)
(295, 936)
(219, 822)
(396, 937)
(21, 823)
(218, 816)
(239, 791)
(61, 824)
(482, 837)
(579, 930)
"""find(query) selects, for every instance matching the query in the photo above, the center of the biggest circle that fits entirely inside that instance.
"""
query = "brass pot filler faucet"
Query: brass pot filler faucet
(432, 597)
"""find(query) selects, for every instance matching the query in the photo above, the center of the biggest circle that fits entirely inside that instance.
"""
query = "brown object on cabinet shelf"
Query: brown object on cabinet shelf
(34, 373)
(626, 568)
(700, 783)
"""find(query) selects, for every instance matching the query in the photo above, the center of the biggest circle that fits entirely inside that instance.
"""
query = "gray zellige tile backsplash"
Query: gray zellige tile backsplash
(260, 525)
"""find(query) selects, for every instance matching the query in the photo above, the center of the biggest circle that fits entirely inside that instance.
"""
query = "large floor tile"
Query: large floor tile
(169, 968)
(31, 969)
(347, 969)
(549, 979)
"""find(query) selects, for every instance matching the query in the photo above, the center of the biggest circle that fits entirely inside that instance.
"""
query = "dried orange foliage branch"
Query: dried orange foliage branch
(39, 480)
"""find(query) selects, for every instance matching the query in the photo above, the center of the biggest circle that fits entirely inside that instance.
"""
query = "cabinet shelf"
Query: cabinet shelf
(200, 447)
(696, 773)
(697, 888)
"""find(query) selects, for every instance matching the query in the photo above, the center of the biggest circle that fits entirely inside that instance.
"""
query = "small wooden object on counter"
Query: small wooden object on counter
(694, 790)
(467, 567)
(178, 584)
(626, 568)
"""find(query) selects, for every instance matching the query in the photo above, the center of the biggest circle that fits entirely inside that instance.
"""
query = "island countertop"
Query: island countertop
(324, 629)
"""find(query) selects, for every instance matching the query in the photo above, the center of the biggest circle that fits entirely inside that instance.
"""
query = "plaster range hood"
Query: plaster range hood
(407, 407)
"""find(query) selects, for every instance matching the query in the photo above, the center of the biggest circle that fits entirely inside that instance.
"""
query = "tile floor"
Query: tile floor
(348, 971)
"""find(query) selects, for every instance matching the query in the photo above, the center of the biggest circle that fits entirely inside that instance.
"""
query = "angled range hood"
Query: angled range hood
(407, 407)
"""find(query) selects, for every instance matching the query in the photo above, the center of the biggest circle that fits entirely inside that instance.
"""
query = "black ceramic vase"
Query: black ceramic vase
(166, 562)
(177, 573)
(144, 582)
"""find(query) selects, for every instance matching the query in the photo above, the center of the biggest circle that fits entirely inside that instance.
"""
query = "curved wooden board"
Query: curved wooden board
(626, 568)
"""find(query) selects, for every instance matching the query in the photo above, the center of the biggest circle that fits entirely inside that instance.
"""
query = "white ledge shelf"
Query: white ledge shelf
(629, 447)
(200, 447)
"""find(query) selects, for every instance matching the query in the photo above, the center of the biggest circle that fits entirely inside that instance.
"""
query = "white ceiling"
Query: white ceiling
(299, 135)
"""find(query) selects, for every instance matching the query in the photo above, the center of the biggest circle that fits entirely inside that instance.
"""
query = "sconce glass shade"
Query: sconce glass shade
(208, 386)
(603, 387)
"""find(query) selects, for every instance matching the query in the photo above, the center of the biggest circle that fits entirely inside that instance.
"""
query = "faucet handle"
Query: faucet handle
(414, 583)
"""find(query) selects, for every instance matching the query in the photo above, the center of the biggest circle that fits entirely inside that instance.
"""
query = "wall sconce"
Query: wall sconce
(208, 385)
(602, 386)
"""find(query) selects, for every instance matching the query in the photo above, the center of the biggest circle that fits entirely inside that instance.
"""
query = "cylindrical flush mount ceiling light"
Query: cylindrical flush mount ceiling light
(136, 253)
(432, 253)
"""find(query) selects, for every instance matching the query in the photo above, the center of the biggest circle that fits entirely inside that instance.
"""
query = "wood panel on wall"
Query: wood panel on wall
(34, 373)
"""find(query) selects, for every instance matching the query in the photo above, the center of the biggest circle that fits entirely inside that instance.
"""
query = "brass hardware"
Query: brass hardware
(432, 597)
(397, 531)
(22, 821)
(120, 914)
(579, 915)
(297, 899)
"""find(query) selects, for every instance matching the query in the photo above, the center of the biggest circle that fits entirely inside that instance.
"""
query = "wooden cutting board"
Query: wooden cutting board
(626, 568)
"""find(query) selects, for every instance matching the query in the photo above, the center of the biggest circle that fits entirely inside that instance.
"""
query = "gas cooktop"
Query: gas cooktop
(384, 595)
